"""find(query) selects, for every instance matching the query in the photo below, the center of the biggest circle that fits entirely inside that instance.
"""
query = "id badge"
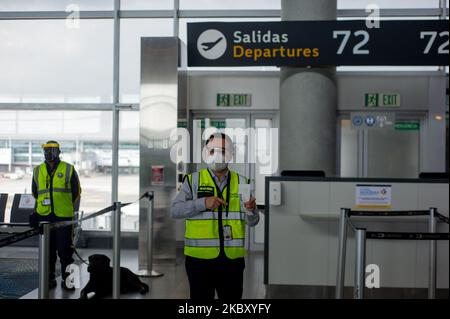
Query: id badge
(227, 232)
(46, 202)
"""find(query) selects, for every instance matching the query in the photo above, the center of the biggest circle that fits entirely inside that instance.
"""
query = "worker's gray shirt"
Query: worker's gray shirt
(184, 206)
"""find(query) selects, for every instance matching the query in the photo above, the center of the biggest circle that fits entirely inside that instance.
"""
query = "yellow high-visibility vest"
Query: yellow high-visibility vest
(54, 190)
(202, 238)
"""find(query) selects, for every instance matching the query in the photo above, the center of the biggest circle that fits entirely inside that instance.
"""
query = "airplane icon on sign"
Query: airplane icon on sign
(209, 45)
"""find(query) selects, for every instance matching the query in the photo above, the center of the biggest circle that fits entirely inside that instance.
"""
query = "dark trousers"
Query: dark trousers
(206, 276)
(61, 244)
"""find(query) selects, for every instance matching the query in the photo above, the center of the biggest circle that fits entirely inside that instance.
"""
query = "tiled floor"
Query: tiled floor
(173, 284)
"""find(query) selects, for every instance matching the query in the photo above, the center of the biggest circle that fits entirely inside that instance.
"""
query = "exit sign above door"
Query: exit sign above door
(381, 100)
(226, 99)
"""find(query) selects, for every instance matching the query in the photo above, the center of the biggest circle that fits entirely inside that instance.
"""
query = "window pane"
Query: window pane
(129, 169)
(146, 4)
(54, 5)
(130, 51)
(221, 4)
(47, 61)
(386, 4)
(85, 139)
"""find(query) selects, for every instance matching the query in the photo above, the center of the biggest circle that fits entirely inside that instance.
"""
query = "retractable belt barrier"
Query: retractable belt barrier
(396, 213)
(361, 234)
(18, 237)
(407, 236)
(388, 213)
(15, 224)
(35, 231)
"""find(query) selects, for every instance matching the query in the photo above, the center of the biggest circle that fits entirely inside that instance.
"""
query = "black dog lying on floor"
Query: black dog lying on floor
(101, 278)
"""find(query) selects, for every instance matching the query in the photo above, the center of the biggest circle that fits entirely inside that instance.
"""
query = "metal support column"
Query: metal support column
(432, 260)
(176, 19)
(360, 263)
(44, 256)
(116, 251)
(340, 279)
(30, 156)
(115, 140)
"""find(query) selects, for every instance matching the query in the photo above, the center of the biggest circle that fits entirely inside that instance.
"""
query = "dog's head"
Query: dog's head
(98, 263)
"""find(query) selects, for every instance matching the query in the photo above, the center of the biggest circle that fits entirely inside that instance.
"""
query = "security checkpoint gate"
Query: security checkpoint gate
(361, 234)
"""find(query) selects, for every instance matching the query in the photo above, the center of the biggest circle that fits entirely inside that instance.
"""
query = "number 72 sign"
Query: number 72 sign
(313, 43)
(438, 41)
(432, 36)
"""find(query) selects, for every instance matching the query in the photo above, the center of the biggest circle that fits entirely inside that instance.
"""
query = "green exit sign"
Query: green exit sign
(218, 124)
(382, 100)
(226, 99)
(182, 124)
(407, 126)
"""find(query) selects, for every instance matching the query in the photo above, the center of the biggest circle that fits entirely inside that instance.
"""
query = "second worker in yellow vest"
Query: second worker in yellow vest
(216, 219)
(56, 188)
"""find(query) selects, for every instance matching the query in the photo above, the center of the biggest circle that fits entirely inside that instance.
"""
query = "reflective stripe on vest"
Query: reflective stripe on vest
(202, 238)
(214, 242)
(215, 215)
(61, 190)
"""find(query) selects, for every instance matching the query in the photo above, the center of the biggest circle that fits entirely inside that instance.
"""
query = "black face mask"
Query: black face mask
(51, 154)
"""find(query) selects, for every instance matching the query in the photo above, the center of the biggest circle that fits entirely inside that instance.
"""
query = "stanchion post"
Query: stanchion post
(150, 210)
(148, 271)
(116, 250)
(360, 263)
(44, 255)
(340, 279)
(432, 261)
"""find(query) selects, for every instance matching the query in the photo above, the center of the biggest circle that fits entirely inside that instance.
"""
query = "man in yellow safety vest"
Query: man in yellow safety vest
(56, 188)
(215, 217)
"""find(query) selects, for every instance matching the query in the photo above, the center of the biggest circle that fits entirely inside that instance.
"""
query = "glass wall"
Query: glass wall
(86, 141)
(55, 5)
(131, 31)
(226, 5)
(129, 168)
(55, 60)
(146, 5)
(46, 61)
(388, 4)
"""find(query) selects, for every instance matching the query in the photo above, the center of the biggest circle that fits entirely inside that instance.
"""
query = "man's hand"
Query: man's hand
(250, 205)
(212, 202)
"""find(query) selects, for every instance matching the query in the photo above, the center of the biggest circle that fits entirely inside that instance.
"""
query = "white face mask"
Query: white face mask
(216, 162)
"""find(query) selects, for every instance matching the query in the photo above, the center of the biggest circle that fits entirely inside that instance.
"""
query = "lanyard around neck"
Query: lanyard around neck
(219, 192)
